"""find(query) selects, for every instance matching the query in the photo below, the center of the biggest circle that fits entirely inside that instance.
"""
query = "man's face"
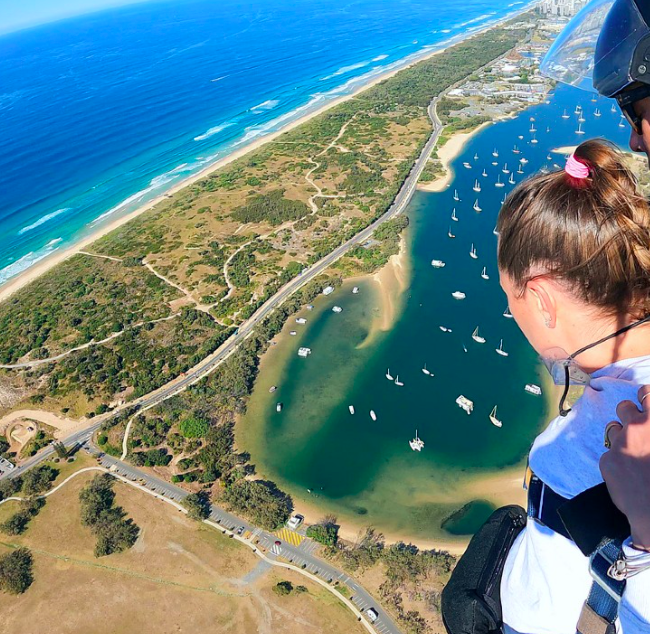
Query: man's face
(641, 142)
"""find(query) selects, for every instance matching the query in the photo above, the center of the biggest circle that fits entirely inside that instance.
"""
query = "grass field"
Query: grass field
(179, 577)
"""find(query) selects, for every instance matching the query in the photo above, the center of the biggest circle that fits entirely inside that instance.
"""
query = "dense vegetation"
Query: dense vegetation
(108, 523)
(326, 532)
(16, 571)
(17, 523)
(197, 505)
(273, 208)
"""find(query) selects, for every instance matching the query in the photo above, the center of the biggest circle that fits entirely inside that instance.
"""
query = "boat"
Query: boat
(505, 169)
(621, 124)
(484, 172)
(477, 186)
(425, 371)
(293, 333)
(278, 407)
(444, 328)
(520, 170)
(523, 160)
(355, 290)
(301, 320)
(578, 109)
(548, 129)
(580, 130)
(613, 109)
(273, 388)
(464, 348)
(597, 113)
(534, 140)
(484, 274)
(398, 382)
(467, 165)
(388, 375)
(581, 119)
(565, 115)
(532, 129)
(520, 137)
(499, 183)
(500, 349)
(507, 313)
(503, 199)
(304, 352)
(533, 389)
(464, 403)
(549, 157)
(511, 180)
(516, 150)
(475, 206)
(531, 119)
(476, 157)
(458, 295)
(351, 408)
(456, 197)
(416, 444)
(495, 153)
(494, 231)
(437, 264)
(337, 309)
(477, 337)
(454, 217)
(493, 418)
(495, 162)
(373, 415)
(450, 234)
(472, 252)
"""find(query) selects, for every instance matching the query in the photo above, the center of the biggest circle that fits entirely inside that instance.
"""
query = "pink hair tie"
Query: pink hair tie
(576, 168)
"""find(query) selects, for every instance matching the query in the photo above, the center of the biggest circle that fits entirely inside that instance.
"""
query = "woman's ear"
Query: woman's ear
(540, 291)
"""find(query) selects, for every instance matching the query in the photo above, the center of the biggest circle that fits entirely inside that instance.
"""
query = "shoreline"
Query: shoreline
(41, 267)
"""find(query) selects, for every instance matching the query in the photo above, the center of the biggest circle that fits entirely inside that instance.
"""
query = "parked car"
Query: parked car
(371, 613)
(240, 530)
(295, 521)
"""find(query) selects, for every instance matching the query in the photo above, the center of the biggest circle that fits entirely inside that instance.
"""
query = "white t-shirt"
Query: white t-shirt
(546, 578)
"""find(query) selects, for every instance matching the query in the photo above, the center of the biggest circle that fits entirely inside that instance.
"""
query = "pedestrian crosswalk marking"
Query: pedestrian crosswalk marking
(289, 536)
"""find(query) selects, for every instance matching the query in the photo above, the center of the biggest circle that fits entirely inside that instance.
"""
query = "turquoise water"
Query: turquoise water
(357, 467)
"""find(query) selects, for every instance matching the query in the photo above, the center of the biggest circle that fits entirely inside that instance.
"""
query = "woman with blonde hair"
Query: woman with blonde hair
(574, 262)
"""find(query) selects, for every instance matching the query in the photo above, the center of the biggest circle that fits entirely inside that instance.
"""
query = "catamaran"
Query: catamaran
(477, 186)
(472, 252)
(449, 233)
(437, 264)
(507, 313)
(499, 183)
(500, 349)
(464, 403)
(398, 382)
(456, 197)
(477, 337)
(505, 169)
(458, 295)
(454, 217)
(533, 389)
(484, 274)
(475, 206)
(373, 415)
(388, 375)
(416, 444)
(351, 408)
(580, 130)
(511, 180)
(493, 418)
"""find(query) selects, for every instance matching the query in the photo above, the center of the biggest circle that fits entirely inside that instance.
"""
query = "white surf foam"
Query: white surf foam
(43, 220)
(348, 69)
(215, 130)
(28, 260)
(269, 104)
(379, 58)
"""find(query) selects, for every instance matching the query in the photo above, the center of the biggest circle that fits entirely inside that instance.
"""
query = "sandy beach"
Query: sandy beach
(47, 263)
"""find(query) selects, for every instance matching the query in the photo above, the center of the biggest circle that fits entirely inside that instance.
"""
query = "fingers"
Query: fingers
(627, 412)
(613, 434)
(644, 391)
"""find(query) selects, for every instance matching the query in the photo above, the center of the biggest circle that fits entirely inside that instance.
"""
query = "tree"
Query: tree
(197, 505)
(9, 487)
(325, 532)
(39, 479)
(16, 571)
(194, 427)
(17, 523)
(283, 588)
(263, 502)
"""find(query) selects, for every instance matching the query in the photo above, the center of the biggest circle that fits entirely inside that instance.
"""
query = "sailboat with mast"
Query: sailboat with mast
(565, 115)
(398, 382)
(416, 444)
(456, 196)
(495, 153)
(449, 233)
(454, 217)
(425, 371)
(499, 183)
(511, 180)
(484, 274)
(472, 252)
(475, 206)
(500, 349)
(389, 376)
(580, 130)
(507, 313)
(484, 172)
(597, 113)
(477, 186)
(534, 139)
(493, 417)
(505, 169)
(477, 337)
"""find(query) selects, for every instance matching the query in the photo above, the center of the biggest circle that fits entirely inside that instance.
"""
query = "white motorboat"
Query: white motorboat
(337, 309)
(484, 274)
(355, 290)
(416, 444)
(278, 407)
(437, 264)
(477, 337)
(493, 418)
(523, 160)
(373, 415)
(467, 165)
(458, 295)
(500, 349)
(464, 403)
(444, 328)
(273, 388)
(472, 252)
(293, 333)
(351, 408)
(531, 388)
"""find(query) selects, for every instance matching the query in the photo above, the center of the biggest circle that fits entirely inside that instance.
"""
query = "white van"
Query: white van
(371, 613)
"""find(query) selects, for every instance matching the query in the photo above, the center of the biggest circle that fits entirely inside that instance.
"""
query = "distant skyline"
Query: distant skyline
(15, 16)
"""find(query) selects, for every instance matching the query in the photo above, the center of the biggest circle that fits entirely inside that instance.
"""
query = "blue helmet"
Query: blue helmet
(605, 48)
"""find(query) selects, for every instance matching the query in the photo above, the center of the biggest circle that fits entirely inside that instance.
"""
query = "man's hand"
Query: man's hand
(626, 466)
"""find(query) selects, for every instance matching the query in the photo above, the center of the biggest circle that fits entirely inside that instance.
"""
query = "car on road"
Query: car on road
(371, 613)
(295, 521)
(278, 542)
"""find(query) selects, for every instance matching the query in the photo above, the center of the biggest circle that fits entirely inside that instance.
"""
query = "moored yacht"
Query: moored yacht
(437, 264)
(523, 160)
(495, 153)
(475, 206)
(477, 186)
(484, 274)
(597, 113)
(565, 115)
(500, 349)
(533, 389)
(458, 295)
(472, 252)
(493, 418)
(337, 309)
(454, 217)
(511, 180)
(580, 130)
(507, 313)
(516, 150)
(476, 157)
(505, 169)
(351, 408)
(416, 444)
(278, 407)
(355, 290)
(444, 328)
(373, 415)
(534, 140)
(388, 375)
(449, 233)
(464, 403)
(499, 183)
(425, 371)
(484, 172)
(467, 165)
(477, 337)
(398, 382)
(456, 197)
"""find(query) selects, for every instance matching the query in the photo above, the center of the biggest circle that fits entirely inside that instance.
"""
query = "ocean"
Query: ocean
(363, 471)
(103, 112)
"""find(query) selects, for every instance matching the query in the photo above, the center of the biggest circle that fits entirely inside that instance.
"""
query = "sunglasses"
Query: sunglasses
(626, 101)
